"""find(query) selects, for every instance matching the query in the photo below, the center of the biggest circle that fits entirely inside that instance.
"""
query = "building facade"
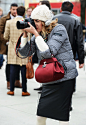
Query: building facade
(55, 5)
(5, 4)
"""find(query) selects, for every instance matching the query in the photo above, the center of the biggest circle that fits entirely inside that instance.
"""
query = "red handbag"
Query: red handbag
(49, 70)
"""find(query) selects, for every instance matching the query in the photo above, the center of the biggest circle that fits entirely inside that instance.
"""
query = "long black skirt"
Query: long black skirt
(55, 100)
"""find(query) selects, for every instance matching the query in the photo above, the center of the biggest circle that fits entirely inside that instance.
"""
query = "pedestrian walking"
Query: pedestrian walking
(4, 44)
(74, 30)
(1, 12)
(50, 38)
(12, 34)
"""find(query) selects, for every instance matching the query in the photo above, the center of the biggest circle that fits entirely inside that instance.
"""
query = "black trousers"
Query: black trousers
(13, 70)
(7, 71)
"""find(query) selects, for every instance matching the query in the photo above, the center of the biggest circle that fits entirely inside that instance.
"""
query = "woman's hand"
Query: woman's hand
(32, 30)
(81, 65)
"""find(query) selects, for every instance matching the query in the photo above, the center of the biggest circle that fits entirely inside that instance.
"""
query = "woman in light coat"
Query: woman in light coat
(51, 38)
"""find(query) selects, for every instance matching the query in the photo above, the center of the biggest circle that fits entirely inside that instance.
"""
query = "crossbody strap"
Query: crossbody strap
(18, 46)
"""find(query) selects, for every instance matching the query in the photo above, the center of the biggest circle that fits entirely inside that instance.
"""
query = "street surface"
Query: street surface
(18, 110)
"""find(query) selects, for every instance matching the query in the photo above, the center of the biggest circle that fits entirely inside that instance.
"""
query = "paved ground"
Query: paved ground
(18, 110)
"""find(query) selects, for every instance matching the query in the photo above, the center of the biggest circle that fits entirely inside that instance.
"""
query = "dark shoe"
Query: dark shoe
(10, 93)
(38, 89)
(39, 92)
(1, 66)
(8, 85)
(18, 84)
(74, 90)
(3, 60)
(25, 93)
(71, 109)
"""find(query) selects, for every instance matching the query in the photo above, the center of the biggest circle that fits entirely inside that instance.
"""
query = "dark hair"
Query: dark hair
(21, 10)
(14, 5)
(29, 8)
(67, 6)
(47, 3)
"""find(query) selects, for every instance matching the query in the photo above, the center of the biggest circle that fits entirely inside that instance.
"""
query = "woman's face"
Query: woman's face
(38, 24)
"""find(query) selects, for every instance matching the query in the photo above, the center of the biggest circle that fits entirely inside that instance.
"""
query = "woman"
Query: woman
(50, 37)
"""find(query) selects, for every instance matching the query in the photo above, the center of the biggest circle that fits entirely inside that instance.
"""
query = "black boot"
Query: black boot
(38, 89)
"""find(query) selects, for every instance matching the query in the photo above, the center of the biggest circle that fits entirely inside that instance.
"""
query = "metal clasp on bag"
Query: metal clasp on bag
(44, 65)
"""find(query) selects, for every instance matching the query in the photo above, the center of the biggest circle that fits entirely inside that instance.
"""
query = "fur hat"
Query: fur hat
(42, 13)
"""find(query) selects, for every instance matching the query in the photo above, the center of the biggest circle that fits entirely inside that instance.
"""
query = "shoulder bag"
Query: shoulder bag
(29, 65)
(49, 70)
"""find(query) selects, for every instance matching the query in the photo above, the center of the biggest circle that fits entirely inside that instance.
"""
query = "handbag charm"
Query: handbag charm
(44, 65)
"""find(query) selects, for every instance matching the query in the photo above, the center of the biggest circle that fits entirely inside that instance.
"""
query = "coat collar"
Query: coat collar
(8, 16)
(66, 12)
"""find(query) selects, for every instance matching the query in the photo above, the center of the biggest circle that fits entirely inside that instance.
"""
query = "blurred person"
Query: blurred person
(28, 12)
(1, 56)
(1, 60)
(4, 45)
(46, 2)
(51, 38)
(12, 34)
(84, 28)
(77, 18)
(74, 30)
(1, 12)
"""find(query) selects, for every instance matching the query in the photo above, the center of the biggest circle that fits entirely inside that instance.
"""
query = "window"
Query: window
(56, 11)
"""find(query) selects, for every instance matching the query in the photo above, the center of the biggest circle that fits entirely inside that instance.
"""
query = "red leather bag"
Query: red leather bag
(49, 70)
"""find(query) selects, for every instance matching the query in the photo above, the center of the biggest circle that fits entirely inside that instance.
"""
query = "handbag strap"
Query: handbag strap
(18, 46)
(30, 59)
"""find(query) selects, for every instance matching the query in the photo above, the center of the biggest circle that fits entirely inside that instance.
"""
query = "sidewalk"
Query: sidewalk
(18, 110)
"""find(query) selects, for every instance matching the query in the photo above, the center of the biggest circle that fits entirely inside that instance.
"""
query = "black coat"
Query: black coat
(75, 33)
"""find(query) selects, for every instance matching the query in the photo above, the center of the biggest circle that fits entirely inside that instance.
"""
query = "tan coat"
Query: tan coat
(12, 34)
(3, 46)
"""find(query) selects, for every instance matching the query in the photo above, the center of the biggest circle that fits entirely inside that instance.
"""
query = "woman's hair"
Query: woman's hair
(48, 29)
(46, 2)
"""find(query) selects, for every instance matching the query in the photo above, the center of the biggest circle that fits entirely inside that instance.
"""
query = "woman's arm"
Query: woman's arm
(42, 46)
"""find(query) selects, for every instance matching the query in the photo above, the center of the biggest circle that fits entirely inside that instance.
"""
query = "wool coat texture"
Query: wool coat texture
(12, 34)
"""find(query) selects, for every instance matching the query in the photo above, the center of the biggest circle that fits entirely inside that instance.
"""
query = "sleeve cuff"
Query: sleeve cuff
(41, 43)
(23, 41)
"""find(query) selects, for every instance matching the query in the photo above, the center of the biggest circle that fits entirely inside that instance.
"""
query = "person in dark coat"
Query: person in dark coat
(1, 55)
(74, 30)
